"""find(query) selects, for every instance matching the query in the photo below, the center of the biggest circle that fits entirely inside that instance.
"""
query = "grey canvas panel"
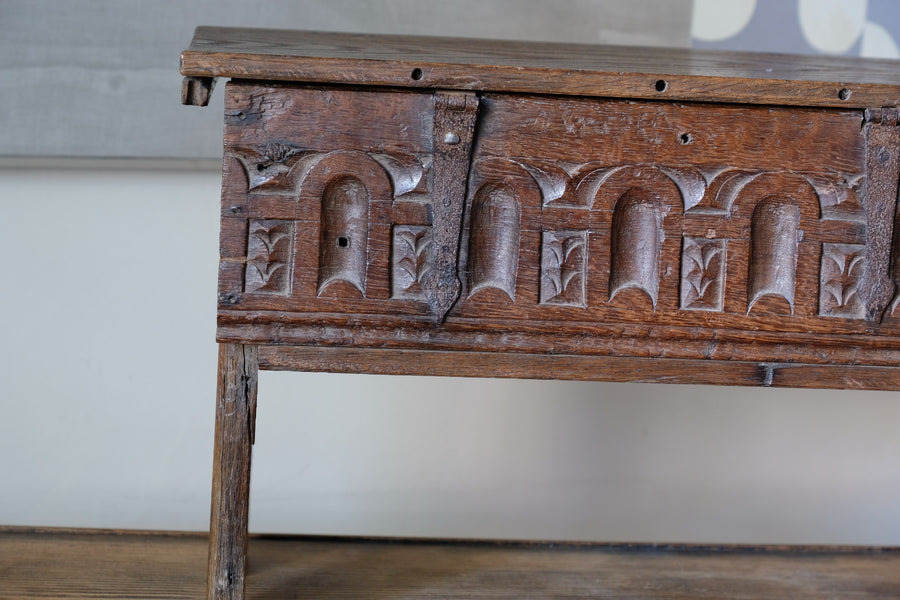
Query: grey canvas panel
(99, 78)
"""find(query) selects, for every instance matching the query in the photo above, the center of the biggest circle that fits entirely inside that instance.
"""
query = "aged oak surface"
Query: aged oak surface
(584, 368)
(436, 206)
(590, 226)
(571, 69)
(109, 564)
(235, 424)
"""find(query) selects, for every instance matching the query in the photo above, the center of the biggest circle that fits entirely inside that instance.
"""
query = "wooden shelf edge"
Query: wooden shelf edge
(691, 547)
(383, 361)
(70, 563)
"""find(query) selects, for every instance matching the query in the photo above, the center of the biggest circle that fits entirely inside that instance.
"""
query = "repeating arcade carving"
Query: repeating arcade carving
(269, 252)
(840, 275)
(409, 261)
(637, 230)
(280, 167)
(636, 225)
(703, 191)
(563, 268)
(703, 274)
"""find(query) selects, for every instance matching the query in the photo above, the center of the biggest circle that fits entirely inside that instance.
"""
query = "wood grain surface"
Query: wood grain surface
(595, 227)
(230, 506)
(584, 368)
(61, 564)
(568, 69)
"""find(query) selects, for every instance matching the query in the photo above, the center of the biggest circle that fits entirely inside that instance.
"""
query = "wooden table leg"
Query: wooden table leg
(235, 413)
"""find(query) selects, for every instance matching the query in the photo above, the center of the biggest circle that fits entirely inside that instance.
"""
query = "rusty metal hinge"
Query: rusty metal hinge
(455, 114)
(888, 115)
(879, 282)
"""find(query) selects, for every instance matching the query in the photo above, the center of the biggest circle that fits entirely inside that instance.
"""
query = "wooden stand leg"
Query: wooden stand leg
(235, 413)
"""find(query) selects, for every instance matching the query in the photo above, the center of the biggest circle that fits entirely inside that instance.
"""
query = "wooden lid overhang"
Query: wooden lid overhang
(539, 67)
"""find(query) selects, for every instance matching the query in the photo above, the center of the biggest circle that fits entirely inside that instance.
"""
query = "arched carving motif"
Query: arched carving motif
(774, 242)
(348, 186)
(343, 234)
(636, 241)
(494, 240)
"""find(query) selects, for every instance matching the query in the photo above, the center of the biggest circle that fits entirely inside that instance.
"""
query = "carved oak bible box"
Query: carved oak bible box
(460, 207)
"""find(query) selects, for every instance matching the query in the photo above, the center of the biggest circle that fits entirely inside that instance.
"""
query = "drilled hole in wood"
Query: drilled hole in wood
(416, 74)
(661, 85)
(343, 242)
(844, 94)
(685, 138)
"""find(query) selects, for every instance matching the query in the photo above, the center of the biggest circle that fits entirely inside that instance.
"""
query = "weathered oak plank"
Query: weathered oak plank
(584, 368)
(101, 564)
(567, 69)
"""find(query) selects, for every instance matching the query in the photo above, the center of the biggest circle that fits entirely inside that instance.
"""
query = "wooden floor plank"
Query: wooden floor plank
(131, 565)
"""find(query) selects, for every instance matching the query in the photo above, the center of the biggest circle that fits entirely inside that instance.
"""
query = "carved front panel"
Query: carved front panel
(609, 214)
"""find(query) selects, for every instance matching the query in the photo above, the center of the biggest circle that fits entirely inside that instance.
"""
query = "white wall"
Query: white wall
(107, 377)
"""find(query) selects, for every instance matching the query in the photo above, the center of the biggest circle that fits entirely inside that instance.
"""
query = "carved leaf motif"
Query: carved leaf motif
(708, 276)
(843, 287)
(703, 265)
(563, 268)
(415, 262)
(411, 264)
(553, 268)
(270, 237)
(842, 270)
(571, 268)
(269, 257)
(266, 270)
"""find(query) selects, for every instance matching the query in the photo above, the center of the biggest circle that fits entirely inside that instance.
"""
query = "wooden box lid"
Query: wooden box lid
(547, 68)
